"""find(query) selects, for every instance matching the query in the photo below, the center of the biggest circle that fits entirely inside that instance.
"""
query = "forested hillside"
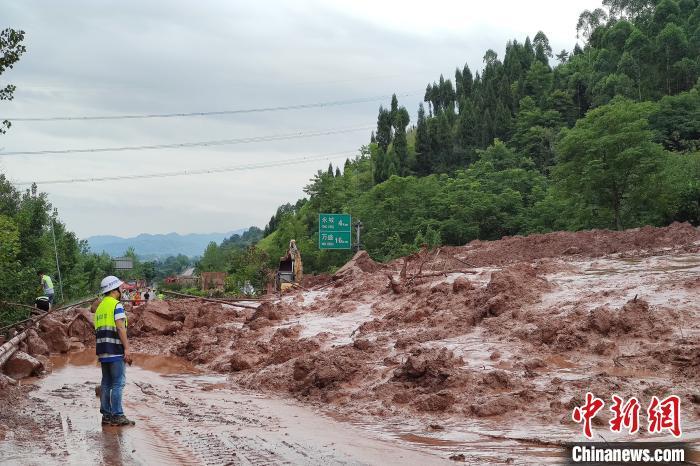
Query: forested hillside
(603, 136)
(27, 245)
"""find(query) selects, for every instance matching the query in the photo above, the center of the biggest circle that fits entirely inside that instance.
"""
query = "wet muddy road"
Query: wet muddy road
(184, 417)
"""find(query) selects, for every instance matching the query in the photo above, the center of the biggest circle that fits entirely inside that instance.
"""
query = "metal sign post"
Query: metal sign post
(358, 230)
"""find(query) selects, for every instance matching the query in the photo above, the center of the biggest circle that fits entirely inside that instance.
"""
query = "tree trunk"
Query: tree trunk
(616, 211)
(616, 206)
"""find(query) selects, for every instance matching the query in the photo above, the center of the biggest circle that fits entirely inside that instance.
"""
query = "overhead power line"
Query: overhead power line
(332, 103)
(218, 142)
(202, 171)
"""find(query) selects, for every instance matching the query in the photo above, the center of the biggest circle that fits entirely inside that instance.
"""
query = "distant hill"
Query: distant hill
(150, 247)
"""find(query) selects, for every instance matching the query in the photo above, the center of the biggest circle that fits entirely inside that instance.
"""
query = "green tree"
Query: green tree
(379, 165)
(539, 82)
(424, 164)
(543, 51)
(148, 271)
(562, 56)
(383, 135)
(11, 49)
(212, 260)
(672, 44)
(680, 198)
(589, 21)
(677, 121)
(605, 156)
(394, 108)
(9, 257)
(400, 144)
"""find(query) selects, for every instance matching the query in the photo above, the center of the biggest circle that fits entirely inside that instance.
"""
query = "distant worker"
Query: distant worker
(137, 298)
(112, 348)
(47, 285)
(161, 296)
(147, 295)
(126, 296)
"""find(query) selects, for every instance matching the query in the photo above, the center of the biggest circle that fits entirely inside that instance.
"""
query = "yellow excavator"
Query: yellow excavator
(290, 272)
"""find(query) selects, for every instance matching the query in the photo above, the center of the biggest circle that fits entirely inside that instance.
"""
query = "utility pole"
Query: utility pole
(55, 250)
(358, 230)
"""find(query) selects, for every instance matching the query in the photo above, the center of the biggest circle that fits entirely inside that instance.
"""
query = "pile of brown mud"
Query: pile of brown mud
(519, 328)
(590, 243)
(434, 335)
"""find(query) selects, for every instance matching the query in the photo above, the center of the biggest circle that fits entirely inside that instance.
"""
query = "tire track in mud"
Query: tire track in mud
(195, 431)
(207, 435)
(205, 430)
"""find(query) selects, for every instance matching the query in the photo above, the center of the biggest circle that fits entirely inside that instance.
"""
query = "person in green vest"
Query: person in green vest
(112, 348)
(47, 285)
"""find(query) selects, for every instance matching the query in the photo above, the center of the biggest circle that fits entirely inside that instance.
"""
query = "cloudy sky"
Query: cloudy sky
(88, 58)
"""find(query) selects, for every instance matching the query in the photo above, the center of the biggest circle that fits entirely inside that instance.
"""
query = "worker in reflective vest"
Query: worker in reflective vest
(112, 347)
(47, 285)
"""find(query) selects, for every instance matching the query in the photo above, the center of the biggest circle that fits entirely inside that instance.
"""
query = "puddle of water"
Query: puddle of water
(164, 364)
(156, 363)
(86, 357)
(559, 362)
(480, 445)
(432, 441)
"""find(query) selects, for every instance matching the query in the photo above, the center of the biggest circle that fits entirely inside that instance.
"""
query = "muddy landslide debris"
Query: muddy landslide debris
(22, 365)
(501, 336)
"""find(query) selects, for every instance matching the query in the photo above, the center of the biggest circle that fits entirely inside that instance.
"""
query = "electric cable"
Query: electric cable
(203, 171)
(210, 113)
(219, 142)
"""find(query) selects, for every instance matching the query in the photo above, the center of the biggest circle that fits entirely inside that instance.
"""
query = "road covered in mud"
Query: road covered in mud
(183, 417)
(477, 353)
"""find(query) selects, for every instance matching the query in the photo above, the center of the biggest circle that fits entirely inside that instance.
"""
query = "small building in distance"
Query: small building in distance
(187, 278)
(213, 281)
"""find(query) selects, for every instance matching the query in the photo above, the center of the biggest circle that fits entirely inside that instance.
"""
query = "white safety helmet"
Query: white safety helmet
(110, 283)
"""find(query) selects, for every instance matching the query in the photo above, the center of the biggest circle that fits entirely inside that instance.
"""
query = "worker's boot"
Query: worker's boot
(106, 419)
(122, 421)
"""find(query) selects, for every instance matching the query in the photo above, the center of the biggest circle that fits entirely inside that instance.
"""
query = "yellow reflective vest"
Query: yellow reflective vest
(108, 345)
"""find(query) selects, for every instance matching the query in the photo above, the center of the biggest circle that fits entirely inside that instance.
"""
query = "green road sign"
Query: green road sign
(338, 240)
(334, 231)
